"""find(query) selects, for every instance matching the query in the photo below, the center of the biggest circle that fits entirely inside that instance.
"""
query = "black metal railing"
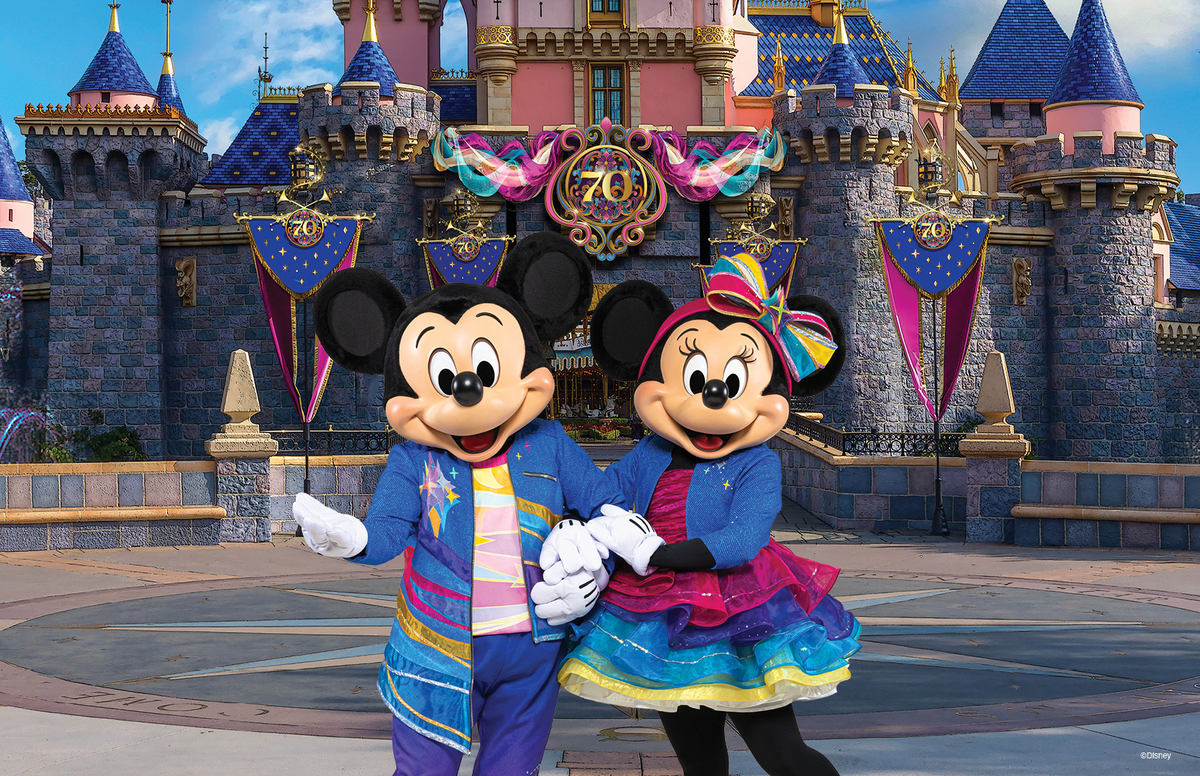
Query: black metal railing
(801, 404)
(874, 443)
(336, 442)
(887, 443)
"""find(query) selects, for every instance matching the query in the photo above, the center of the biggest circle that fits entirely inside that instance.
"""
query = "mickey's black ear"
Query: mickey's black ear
(550, 278)
(819, 381)
(624, 325)
(354, 313)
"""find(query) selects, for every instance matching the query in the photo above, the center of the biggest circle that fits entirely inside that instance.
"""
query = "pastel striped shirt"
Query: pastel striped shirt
(499, 600)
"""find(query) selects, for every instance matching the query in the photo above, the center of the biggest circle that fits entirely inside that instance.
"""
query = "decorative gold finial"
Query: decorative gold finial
(113, 24)
(168, 63)
(952, 79)
(910, 71)
(839, 27)
(264, 75)
(780, 73)
(370, 34)
(941, 89)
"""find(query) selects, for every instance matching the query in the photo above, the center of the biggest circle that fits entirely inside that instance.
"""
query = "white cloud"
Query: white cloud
(1144, 30)
(305, 40)
(220, 133)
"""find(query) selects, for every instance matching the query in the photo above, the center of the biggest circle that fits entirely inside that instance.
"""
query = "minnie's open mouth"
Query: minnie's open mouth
(477, 443)
(709, 443)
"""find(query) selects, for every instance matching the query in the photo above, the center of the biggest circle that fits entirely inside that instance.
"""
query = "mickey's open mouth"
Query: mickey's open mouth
(709, 443)
(477, 443)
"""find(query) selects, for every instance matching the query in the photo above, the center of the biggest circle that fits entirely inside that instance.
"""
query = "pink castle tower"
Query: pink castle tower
(114, 76)
(1094, 92)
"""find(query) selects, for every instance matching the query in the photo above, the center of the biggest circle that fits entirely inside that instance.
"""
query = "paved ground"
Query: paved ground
(977, 659)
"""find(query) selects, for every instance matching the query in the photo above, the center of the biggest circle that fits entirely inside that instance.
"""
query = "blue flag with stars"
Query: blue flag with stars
(936, 272)
(479, 267)
(299, 267)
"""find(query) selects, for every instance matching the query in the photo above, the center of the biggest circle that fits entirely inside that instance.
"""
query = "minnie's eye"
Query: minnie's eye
(485, 362)
(441, 371)
(695, 373)
(735, 377)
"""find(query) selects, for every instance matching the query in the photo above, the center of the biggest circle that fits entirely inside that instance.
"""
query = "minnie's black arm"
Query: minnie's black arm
(692, 555)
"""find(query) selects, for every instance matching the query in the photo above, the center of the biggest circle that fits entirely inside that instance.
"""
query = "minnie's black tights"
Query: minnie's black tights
(698, 737)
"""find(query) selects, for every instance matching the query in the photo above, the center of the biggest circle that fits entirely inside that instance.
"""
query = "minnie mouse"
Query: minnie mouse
(714, 618)
(470, 501)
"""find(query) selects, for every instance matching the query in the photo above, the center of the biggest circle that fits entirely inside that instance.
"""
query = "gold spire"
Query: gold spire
(941, 89)
(370, 34)
(113, 24)
(910, 71)
(839, 27)
(952, 80)
(780, 73)
(168, 63)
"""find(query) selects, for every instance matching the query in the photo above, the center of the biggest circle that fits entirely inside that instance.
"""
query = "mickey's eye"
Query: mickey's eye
(485, 362)
(695, 373)
(441, 371)
(735, 377)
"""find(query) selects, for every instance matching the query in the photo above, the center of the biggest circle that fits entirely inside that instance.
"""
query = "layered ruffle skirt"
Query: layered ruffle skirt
(752, 638)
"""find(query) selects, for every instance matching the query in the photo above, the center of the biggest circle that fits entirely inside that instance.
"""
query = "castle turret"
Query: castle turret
(168, 90)
(1103, 181)
(847, 149)
(1094, 92)
(16, 206)
(370, 64)
(114, 76)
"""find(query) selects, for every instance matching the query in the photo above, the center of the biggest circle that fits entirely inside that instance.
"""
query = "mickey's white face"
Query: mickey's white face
(471, 396)
(711, 400)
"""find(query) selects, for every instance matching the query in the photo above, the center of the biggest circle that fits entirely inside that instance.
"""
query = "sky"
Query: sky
(218, 47)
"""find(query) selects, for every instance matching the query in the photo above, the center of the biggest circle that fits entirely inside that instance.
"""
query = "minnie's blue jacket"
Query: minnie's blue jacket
(731, 502)
(424, 509)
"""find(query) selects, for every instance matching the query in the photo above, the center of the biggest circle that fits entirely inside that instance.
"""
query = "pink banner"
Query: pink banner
(906, 315)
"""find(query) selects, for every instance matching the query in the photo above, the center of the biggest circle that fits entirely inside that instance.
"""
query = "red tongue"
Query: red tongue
(707, 443)
(477, 443)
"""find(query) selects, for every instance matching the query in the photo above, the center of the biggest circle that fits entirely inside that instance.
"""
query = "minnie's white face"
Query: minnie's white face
(471, 396)
(711, 400)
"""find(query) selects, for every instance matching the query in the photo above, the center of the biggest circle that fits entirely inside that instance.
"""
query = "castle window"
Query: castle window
(105, 96)
(997, 110)
(10, 214)
(605, 13)
(1035, 110)
(608, 94)
(1160, 280)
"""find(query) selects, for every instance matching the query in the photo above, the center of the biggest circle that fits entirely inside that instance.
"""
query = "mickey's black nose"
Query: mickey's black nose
(468, 389)
(716, 393)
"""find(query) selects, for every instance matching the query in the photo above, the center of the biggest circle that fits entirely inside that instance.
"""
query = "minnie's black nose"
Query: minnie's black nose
(716, 393)
(467, 389)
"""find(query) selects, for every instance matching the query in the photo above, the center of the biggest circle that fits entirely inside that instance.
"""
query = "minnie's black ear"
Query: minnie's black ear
(354, 313)
(624, 325)
(550, 278)
(819, 381)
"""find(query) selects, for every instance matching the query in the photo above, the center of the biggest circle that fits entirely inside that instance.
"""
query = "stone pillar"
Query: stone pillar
(993, 452)
(714, 49)
(242, 452)
(495, 53)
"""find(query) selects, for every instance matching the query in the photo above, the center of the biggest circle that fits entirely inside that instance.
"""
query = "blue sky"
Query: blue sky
(45, 47)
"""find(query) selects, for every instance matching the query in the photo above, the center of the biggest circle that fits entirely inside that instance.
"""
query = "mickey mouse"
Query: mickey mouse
(713, 618)
(470, 501)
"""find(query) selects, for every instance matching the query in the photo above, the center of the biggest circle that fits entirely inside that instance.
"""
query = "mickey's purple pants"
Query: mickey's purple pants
(512, 705)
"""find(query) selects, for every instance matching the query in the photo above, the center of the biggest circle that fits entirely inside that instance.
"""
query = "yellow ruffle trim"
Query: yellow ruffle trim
(781, 687)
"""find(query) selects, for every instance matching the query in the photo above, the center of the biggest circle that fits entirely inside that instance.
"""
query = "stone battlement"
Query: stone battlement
(347, 125)
(823, 128)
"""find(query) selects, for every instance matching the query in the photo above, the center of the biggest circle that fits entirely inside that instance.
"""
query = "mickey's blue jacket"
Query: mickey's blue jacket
(423, 508)
(731, 502)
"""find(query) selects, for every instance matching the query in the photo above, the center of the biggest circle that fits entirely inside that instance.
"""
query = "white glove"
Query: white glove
(627, 534)
(570, 548)
(570, 598)
(327, 531)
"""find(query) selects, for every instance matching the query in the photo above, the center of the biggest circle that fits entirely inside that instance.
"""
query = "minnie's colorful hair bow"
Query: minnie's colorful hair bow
(736, 286)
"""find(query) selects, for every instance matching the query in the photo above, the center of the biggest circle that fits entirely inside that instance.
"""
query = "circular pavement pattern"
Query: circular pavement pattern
(941, 654)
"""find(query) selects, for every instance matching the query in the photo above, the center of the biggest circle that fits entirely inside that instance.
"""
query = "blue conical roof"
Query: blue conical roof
(12, 184)
(842, 69)
(114, 69)
(168, 93)
(1094, 70)
(370, 64)
(1022, 56)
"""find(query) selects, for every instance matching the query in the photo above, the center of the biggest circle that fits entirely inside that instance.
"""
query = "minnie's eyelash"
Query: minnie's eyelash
(689, 348)
(746, 351)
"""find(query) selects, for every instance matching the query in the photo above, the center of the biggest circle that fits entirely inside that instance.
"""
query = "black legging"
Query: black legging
(698, 737)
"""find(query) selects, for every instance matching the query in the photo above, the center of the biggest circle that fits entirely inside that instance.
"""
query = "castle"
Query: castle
(148, 281)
